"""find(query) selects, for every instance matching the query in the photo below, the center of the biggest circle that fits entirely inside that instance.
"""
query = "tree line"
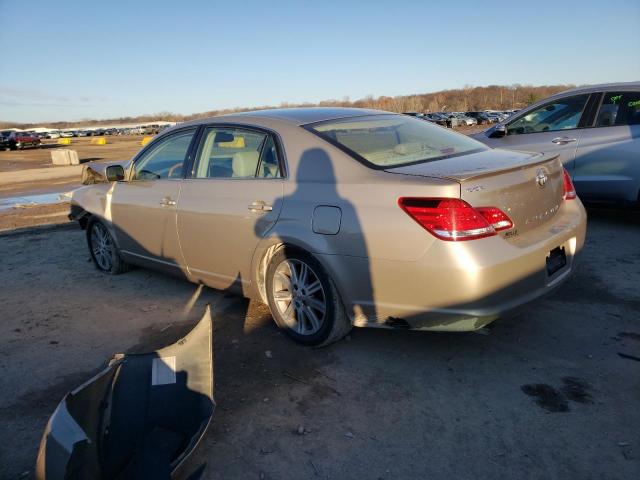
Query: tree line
(469, 98)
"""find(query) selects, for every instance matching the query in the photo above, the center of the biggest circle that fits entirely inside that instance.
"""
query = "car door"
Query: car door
(607, 166)
(550, 128)
(230, 200)
(143, 208)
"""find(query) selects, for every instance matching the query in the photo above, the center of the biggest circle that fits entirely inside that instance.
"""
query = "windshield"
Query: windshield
(382, 141)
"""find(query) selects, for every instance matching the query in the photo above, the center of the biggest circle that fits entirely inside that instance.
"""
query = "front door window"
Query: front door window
(559, 115)
(165, 159)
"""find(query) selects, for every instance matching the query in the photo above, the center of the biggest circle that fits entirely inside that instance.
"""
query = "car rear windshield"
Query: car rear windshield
(385, 141)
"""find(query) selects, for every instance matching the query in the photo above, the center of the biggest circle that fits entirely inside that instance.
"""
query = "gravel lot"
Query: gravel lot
(543, 395)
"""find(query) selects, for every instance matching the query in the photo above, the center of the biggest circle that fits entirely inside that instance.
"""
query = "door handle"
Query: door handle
(260, 206)
(167, 202)
(562, 140)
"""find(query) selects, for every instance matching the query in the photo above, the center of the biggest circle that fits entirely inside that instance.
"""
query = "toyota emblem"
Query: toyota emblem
(541, 178)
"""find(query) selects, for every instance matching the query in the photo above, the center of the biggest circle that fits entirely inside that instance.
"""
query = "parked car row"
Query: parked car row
(95, 132)
(99, 132)
(455, 119)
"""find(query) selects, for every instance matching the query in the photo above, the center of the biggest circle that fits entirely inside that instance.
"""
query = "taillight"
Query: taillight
(569, 189)
(454, 219)
(496, 218)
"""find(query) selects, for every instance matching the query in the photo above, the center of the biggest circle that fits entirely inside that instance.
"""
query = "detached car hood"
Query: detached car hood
(138, 419)
(475, 165)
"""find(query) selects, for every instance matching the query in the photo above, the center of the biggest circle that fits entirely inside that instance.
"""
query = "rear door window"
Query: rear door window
(563, 114)
(269, 163)
(236, 153)
(619, 108)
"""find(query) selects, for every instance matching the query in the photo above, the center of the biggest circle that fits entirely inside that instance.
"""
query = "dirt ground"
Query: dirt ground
(118, 148)
(33, 216)
(543, 395)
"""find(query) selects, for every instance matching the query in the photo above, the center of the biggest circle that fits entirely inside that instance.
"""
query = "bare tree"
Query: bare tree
(468, 98)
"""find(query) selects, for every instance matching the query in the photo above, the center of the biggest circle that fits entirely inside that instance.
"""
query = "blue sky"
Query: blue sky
(71, 60)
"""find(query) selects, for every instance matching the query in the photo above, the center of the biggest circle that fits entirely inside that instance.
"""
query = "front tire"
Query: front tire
(304, 301)
(104, 251)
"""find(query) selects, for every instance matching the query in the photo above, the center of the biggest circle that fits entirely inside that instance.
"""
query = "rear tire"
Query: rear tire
(103, 249)
(304, 301)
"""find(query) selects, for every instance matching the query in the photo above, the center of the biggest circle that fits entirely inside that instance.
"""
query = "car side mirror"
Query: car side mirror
(115, 173)
(499, 131)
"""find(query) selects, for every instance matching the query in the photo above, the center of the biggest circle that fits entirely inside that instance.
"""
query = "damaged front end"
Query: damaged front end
(99, 172)
(140, 418)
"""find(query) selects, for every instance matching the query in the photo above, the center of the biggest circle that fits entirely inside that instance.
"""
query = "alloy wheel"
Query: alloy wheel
(299, 297)
(101, 246)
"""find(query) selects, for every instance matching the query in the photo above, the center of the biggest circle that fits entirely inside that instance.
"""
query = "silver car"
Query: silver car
(464, 120)
(596, 132)
(340, 217)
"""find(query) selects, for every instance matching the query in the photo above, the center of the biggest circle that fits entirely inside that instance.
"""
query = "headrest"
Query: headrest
(244, 164)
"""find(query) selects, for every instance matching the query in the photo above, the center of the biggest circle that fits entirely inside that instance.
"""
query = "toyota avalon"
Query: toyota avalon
(339, 217)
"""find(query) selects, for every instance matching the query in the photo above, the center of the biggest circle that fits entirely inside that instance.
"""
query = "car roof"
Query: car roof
(586, 89)
(600, 88)
(293, 116)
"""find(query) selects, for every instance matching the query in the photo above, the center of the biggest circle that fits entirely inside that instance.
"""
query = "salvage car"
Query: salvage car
(436, 118)
(18, 140)
(464, 120)
(481, 117)
(594, 130)
(4, 142)
(337, 217)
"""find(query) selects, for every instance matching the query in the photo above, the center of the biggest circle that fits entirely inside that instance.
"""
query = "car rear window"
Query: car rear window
(384, 141)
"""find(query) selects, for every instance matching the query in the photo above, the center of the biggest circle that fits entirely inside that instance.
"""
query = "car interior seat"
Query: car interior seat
(245, 164)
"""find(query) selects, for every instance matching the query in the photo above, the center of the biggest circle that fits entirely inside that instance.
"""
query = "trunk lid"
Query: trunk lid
(528, 187)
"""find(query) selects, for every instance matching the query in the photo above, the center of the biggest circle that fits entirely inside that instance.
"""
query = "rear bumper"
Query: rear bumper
(461, 286)
(466, 318)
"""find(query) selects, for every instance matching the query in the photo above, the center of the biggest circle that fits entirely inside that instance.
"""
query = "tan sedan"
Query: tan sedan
(339, 217)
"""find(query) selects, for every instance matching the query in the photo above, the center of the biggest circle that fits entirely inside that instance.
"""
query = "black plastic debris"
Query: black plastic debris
(140, 418)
